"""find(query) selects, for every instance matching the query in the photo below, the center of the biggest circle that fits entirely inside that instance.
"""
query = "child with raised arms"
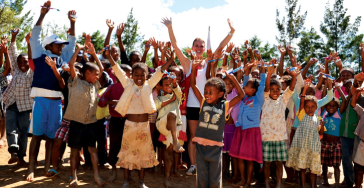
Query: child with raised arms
(137, 102)
(209, 135)
(305, 149)
(81, 111)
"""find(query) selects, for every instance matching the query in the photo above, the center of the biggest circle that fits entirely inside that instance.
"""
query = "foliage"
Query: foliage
(339, 32)
(130, 36)
(290, 29)
(10, 19)
(97, 39)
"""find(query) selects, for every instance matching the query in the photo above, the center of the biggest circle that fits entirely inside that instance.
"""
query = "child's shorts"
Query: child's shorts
(62, 131)
(46, 117)
(81, 135)
(275, 151)
(331, 154)
(359, 156)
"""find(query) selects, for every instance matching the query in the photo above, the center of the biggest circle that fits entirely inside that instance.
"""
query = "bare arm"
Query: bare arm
(195, 89)
(52, 64)
(7, 67)
(240, 91)
(343, 99)
(111, 26)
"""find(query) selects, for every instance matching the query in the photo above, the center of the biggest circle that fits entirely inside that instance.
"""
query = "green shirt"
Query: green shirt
(349, 121)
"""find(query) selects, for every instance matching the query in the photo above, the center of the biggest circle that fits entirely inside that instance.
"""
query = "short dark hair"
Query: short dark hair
(125, 67)
(172, 68)
(254, 82)
(89, 66)
(21, 55)
(142, 66)
(135, 53)
(218, 83)
(163, 78)
(275, 81)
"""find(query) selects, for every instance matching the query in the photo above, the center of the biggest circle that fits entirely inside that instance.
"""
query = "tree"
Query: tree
(10, 19)
(290, 29)
(266, 51)
(52, 28)
(97, 39)
(352, 53)
(338, 30)
(310, 46)
(130, 36)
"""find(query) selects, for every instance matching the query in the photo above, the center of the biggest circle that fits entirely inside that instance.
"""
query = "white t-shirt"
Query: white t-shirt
(200, 82)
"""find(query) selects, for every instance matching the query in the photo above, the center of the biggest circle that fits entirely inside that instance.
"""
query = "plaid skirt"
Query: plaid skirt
(275, 151)
(331, 154)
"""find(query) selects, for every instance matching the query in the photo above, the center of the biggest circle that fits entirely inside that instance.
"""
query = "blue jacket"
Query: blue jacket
(251, 107)
(43, 74)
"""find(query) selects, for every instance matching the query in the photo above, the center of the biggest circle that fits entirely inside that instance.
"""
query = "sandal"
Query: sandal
(52, 173)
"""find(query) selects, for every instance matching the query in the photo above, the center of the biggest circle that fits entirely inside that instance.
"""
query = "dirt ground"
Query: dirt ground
(13, 176)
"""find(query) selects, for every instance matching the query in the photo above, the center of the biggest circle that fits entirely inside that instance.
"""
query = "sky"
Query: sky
(190, 18)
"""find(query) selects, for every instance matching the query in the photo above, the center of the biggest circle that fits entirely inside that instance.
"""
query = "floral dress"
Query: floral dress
(305, 151)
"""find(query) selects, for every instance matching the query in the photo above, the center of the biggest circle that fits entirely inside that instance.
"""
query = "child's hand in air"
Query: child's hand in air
(360, 77)
(45, 7)
(90, 49)
(229, 47)
(153, 42)
(4, 39)
(338, 62)
(110, 24)
(147, 46)
(120, 29)
(209, 55)
(245, 54)
(312, 61)
(218, 54)
(4, 49)
(28, 36)
(72, 19)
(50, 62)
(282, 50)
(307, 84)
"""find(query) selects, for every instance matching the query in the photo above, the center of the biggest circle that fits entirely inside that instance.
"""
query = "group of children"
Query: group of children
(243, 113)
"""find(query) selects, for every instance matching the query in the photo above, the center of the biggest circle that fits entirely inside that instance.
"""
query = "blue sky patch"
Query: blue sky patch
(184, 5)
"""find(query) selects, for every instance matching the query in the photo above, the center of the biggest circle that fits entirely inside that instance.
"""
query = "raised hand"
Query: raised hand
(154, 43)
(188, 51)
(71, 18)
(87, 38)
(229, 47)
(4, 39)
(90, 48)
(360, 77)
(247, 45)
(295, 73)
(161, 47)
(27, 38)
(110, 24)
(147, 45)
(257, 53)
(45, 7)
(107, 51)
(312, 61)
(4, 49)
(282, 50)
(307, 84)
(218, 53)
(50, 62)
(245, 54)
(167, 22)
(289, 49)
(120, 29)
(15, 32)
(79, 46)
(209, 55)
(196, 61)
(169, 45)
(232, 30)
(270, 70)
(338, 62)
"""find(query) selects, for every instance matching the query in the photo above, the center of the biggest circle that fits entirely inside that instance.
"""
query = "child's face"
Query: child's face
(229, 85)
(115, 53)
(135, 59)
(310, 91)
(23, 64)
(310, 108)
(55, 48)
(249, 90)
(92, 76)
(346, 75)
(178, 74)
(212, 94)
(284, 86)
(127, 72)
(275, 91)
(167, 86)
(332, 107)
(139, 76)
